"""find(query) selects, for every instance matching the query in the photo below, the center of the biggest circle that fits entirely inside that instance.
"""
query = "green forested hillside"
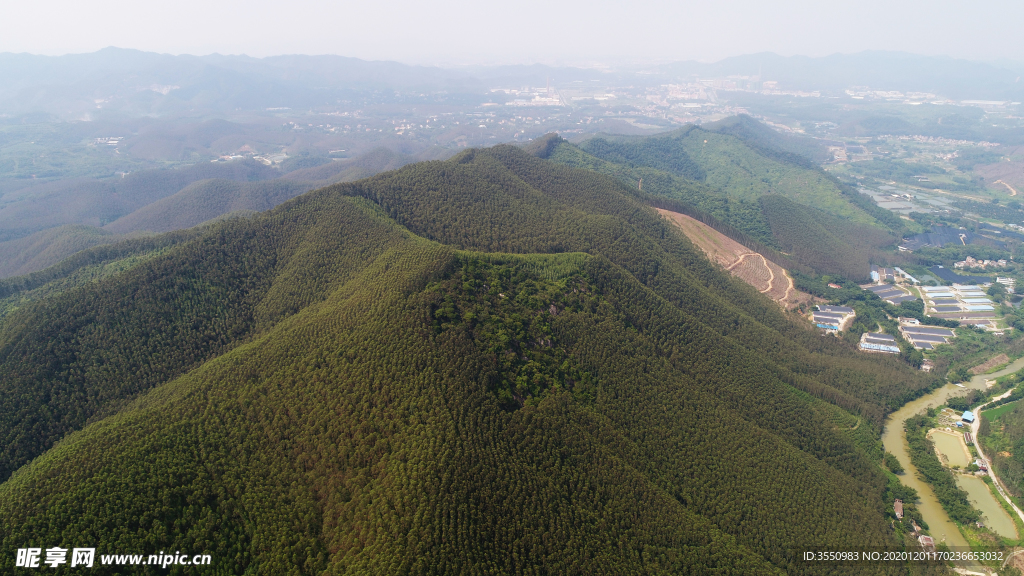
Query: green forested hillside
(206, 200)
(1003, 438)
(47, 247)
(743, 215)
(831, 228)
(96, 202)
(68, 215)
(726, 163)
(493, 364)
(86, 266)
(821, 240)
(363, 166)
(41, 225)
(791, 149)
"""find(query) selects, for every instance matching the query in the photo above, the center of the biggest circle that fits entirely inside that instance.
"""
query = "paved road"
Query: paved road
(1011, 555)
(977, 446)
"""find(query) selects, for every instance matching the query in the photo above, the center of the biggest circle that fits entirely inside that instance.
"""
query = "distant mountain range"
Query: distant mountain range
(138, 83)
(34, 235)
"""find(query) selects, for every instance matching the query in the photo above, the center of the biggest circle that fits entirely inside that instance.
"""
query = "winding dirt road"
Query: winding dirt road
(1013, 191)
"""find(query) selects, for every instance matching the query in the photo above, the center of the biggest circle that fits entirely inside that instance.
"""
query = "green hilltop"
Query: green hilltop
(492, 364)
(735, 178)
(721, 174)
(726, 163)
(42, 225)
(45, 248)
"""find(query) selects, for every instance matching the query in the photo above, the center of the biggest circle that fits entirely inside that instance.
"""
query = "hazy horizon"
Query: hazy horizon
(595, 63)
(572, 33)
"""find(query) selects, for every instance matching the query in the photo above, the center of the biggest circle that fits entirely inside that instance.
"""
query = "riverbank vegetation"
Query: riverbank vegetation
(943, 478)
(1001, 433)
(922, 455)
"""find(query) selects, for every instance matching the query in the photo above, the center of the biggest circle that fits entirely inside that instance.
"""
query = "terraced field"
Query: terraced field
(782, 286)
(753, 269)
(766, 276)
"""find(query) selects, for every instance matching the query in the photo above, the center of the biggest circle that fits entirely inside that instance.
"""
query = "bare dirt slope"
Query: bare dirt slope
(990, 364)
(1003, 175)
(766, 276)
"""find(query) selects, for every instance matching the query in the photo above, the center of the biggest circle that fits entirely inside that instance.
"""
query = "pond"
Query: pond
(895, 441)
(951, 448)
(993, 514)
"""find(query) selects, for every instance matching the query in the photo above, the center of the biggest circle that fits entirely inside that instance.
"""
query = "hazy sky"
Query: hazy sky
(519, 31)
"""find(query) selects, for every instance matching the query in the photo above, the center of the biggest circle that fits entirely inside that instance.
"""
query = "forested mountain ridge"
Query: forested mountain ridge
(728, 164)
(96, 202)
(206, 200)
(776, 198)
(102, 211)
(788, 148)
(357, 381)
(45, 248)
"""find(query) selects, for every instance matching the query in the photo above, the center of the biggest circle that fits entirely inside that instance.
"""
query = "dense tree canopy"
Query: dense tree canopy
(493, 364)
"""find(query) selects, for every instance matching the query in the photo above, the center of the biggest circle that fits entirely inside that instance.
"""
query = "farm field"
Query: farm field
(993, 414)
(766, 276)
(753, 269)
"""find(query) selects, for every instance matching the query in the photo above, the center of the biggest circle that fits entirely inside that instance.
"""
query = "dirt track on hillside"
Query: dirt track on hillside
(764, 275)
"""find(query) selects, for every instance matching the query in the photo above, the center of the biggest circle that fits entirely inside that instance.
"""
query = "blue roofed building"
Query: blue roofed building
(968, 416)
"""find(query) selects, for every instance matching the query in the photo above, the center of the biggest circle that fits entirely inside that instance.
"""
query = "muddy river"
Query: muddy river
(941, 527)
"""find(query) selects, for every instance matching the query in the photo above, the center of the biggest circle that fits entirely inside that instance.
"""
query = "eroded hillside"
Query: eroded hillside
(752, 267)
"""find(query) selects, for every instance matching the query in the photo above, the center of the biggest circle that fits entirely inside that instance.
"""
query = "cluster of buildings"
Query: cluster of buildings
(735, 83)
(865, 93)
(927, 542)
(970, 262)
(879, 342)
(832, 319)
(892, 294)
(533, 96)
(271, 159)
(968, 304)
(966, 420)
(250, 152)
(838, 154)
(881, 274)
(692, 91)
(850, 153)
(924, 337)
